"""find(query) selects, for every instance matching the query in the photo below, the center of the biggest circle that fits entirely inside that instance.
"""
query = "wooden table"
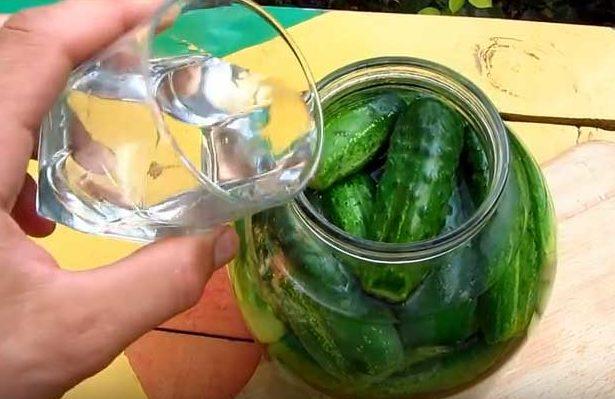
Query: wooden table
(554, 84)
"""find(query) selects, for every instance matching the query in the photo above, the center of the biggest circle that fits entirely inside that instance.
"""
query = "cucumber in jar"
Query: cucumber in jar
(508, 306)
(419, 175)
(476, 165)
(412, 197)
(353, 134)
(440, 373)
(351, 336)
(470, 270)
(348, 204)
(261, 320)
(291, 354)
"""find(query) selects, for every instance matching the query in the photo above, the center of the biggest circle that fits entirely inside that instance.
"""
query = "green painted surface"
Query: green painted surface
(11, 6)
(223, 30)
(202, 29)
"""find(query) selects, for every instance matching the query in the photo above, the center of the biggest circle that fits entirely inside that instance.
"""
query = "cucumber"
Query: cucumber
(292, 355)
(509, 306)
(439, 374)
(506, 308)
(460, 205)
(354, 131)
(259, 316)
(419, 176)
(352, 337)
(544, 233)
(348, 204)
(447, 327)
(420, 354)
(409, 96)
(347, 348)
(470, 270)
(476, 164)
(413, 194)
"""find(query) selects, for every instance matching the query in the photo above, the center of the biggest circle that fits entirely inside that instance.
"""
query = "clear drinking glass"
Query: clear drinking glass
(202, 115)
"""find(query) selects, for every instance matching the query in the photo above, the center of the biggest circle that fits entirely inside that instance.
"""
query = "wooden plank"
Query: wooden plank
(595, 134)
(182, 366)
(560, 72)
(545, 142)
(216, 313)
(118, 380)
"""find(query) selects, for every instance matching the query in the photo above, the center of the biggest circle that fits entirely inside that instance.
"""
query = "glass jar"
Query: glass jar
(297, 277)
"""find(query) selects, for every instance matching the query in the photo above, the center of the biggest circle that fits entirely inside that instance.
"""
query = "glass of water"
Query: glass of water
(204, 114)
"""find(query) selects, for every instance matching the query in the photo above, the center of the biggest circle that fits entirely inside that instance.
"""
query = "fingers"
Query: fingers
(38, 49)
(149, 287)
(24, 212)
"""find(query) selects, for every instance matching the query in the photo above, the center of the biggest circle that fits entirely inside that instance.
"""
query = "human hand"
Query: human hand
(59, 327)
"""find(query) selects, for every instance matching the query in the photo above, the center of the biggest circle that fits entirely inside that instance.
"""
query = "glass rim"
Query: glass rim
(399, 68)
(314, 100)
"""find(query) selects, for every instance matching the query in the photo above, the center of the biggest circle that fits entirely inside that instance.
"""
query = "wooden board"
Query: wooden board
(532, 71)
(181, 366)
(571, 352)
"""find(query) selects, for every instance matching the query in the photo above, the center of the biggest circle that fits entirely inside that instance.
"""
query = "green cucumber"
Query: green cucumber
(409, 96)
(470, 270)
(345, 347)
(439, 374)
(446, 327)
(350, 336)
(476, 164)
(543, 215)
(259, 316)
(510, 304)
(413, 194)
(416, 355)
(354, 131)
(292, 356)
(419, 176)
(348, 204)
(505, 307)
(461, 207)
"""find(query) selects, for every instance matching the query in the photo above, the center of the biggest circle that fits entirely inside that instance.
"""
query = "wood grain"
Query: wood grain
(570, 353)
(179, 366)
(562, 73)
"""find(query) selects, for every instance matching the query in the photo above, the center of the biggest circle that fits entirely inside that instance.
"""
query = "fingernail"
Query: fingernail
(225, 247)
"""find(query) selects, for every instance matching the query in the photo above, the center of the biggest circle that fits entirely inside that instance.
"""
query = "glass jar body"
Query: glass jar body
(300, 288)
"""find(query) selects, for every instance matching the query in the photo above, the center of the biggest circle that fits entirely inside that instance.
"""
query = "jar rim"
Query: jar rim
(453, 86)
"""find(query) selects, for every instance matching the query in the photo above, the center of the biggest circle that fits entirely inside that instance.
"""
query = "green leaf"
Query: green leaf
(481, 3)
(455, 5)
(430, 11)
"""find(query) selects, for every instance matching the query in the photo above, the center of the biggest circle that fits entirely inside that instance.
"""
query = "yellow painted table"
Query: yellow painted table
(553, 83)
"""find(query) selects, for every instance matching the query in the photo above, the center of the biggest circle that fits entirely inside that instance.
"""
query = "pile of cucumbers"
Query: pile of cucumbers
(398, 167)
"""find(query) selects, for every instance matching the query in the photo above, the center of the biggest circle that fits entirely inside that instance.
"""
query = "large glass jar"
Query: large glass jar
(483, 285)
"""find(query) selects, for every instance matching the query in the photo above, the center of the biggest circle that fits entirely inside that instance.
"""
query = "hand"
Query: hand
(58, 327)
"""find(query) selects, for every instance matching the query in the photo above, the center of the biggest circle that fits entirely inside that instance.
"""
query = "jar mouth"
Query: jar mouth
(467, 99)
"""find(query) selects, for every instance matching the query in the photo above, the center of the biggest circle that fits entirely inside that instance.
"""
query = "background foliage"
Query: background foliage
(601, 12)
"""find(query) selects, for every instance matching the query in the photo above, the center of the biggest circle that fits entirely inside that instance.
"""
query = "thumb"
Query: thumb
(130, 297)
